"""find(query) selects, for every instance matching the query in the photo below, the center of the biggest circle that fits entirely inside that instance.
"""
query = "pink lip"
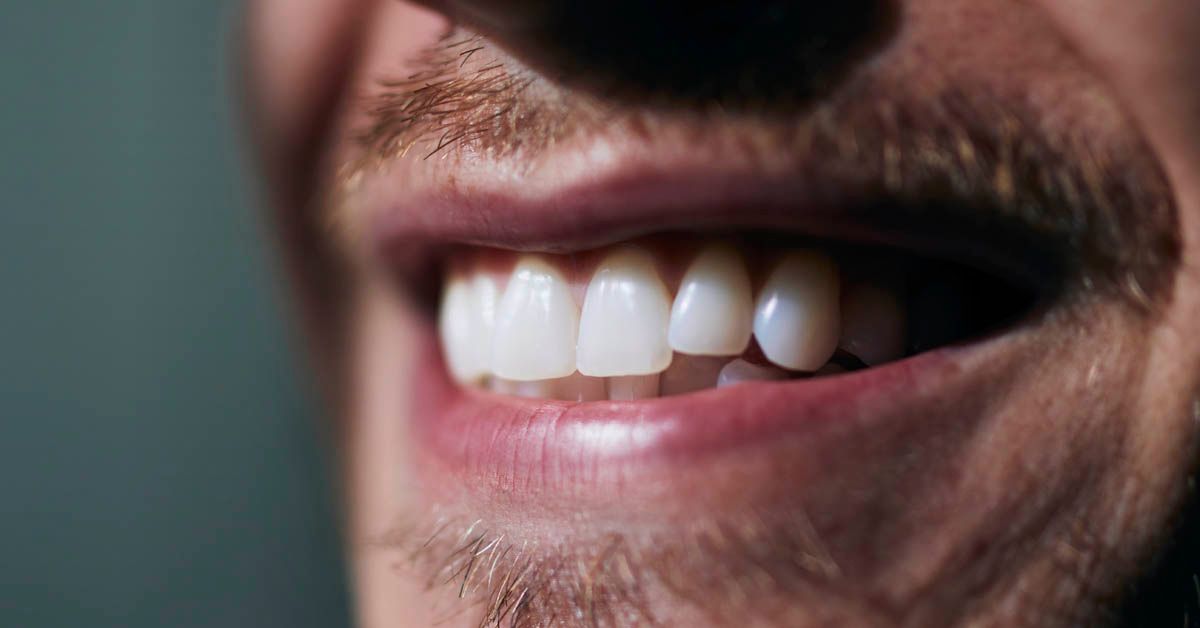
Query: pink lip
(599, 209)
(601, 447)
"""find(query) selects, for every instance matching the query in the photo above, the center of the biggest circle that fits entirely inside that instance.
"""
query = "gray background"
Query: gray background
(159, 454)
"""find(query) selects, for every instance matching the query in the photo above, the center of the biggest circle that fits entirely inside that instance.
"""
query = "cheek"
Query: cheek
(1150, 52)
(291, 57)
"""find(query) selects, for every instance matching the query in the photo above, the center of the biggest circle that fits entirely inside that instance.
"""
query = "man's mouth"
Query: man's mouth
(712, 285)
(617, 333)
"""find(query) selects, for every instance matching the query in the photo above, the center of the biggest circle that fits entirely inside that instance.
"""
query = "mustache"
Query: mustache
(1100, 201)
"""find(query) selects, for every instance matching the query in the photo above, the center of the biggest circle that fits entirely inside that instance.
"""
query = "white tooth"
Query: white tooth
(539, 389)
(631, 387)
(623, 328)
(537, 323)
(464, 330)
(796, 318)
(486, 295)
(579, 387)
(872, 324)
(689, 373)
(739, 371)
(713, 312)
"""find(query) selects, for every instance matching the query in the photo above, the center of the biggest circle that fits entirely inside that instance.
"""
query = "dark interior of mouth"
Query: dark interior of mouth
(950, 303)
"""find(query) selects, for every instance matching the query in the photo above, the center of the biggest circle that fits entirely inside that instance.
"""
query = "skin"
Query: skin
(1072, 538)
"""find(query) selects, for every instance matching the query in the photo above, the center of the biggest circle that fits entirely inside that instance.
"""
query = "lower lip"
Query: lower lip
(563, 447)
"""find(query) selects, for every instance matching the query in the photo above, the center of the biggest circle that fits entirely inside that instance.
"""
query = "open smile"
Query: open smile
(620, 353)
(589, 316)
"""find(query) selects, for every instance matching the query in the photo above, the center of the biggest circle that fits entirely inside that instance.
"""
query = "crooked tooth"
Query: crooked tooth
(537, 323)
(631, 387)
(465, 326)
(689, 373)
(739, 371)
(713, 313)
(623, 328)
(873, 324)
(796, 317)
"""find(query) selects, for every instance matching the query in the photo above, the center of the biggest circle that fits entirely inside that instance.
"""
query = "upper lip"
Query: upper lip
(649, 194)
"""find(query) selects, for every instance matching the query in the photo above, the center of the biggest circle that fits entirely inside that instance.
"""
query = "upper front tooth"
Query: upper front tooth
(796, 318)
(465, 325)
(537, 323)
(623, 328)
(486, 294)
(873, 324)
(714, 311)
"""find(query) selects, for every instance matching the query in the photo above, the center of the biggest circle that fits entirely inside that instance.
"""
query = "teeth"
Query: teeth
(465, 324)
(713, 312)
(540, 389)
(796, 318)
(537, 323)
(629, 341)
(739, 371)
(579, 387)
(631, 387)
(873, 324)
(623, 328)
(689, 373)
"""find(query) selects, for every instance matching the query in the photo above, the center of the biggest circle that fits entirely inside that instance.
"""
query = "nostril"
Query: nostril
(733, 53)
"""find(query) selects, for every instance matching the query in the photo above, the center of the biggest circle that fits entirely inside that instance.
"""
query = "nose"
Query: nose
(733, 53)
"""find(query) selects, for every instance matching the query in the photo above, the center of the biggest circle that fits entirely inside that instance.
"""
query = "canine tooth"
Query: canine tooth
(796, 317)
(739, 371)
(623, 327)
(873, 324)
(713, 313)
(689, 373)
(630, 387)
(537, 323)
(464, 328)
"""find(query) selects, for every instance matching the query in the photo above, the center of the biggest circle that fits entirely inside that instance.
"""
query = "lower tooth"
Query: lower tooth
(739, 371)
(579, 387)
(536, 389)
(689, 373)
(631, 387)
